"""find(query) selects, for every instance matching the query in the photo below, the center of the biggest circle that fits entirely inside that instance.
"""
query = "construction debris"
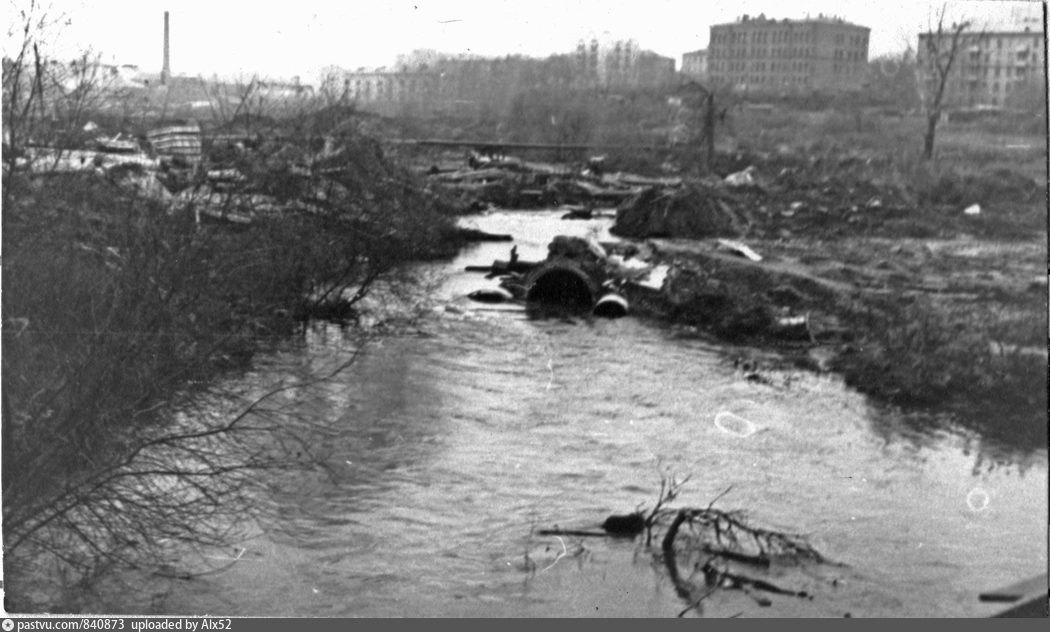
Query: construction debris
(510, 182)
(180, 144)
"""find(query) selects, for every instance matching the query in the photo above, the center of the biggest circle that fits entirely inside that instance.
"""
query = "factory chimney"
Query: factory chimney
(165, 72)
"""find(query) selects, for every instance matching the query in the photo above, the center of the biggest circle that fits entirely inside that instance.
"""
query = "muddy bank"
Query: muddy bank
(931, 297)
(945, 330)
(925, 325)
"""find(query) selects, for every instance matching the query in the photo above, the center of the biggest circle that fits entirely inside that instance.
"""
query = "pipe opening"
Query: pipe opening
(564, 287)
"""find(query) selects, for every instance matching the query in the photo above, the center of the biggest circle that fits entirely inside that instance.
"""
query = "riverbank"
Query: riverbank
(926, 294)
(573, 419)
(943, 326)
(125, 299)
(920, 283)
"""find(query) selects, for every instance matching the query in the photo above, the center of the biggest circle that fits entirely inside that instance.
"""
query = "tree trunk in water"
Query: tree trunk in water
(931, 132)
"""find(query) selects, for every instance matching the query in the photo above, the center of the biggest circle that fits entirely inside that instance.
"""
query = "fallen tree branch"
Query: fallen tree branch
(712, 539)
(725, 579)
(573, 532)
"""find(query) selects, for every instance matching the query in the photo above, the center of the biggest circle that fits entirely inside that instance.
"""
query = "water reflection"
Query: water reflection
(930, 430)
(439, 452)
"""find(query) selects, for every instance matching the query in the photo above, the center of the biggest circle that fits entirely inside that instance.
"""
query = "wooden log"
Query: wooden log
(494, 295)
(519, 267)
(573, 532)
(472, 175)
(598, 192)
(473, 234)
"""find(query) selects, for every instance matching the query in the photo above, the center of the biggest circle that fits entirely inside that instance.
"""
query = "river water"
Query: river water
(450, 445)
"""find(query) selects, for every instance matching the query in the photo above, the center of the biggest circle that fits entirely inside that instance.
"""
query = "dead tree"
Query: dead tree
(23, 88)
(702, 99)
(709, 131)
(942, 48)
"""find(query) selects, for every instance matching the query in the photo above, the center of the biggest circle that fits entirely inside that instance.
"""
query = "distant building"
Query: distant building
(652, 70)
(694, 64)
(621, 64)
(273, 89)
(87, 71)
(992, 60)
(382, 90)
(464, 83)
(764, 55)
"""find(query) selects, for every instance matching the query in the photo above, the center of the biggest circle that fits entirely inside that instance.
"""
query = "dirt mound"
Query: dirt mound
(693, 211)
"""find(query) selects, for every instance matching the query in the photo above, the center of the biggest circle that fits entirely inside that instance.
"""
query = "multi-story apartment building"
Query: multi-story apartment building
(652, 70)
(694, 64)
(456, 82)
(988, 65)
(621, 64)
(758, 54)
(381, 85)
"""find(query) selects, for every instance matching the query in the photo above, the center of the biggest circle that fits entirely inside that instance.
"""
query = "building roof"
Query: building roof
(1017, 18)
(654, 55)
(976, 33)
(761, 19)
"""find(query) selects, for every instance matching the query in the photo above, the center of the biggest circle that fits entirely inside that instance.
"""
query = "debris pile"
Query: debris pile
(694, 211)
(578, 274)
(233, 177)
(510, 182)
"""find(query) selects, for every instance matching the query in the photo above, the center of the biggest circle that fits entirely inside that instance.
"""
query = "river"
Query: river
(449, 445)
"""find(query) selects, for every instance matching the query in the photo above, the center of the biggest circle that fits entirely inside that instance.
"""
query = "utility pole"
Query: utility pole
(709, 131)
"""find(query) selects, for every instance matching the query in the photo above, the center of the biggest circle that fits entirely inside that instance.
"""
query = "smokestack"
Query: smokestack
(165, 73)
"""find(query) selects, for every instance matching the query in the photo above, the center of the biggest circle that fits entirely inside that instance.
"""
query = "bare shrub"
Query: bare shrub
(121, 309)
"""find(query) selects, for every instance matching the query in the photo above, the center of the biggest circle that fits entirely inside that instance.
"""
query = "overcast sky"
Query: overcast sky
(282, 39)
